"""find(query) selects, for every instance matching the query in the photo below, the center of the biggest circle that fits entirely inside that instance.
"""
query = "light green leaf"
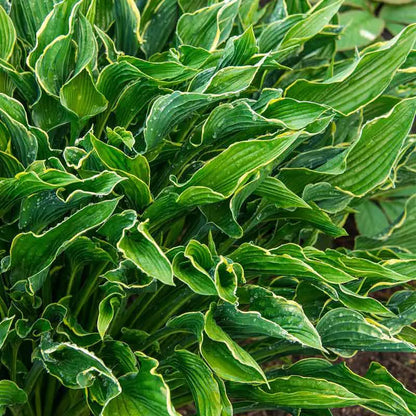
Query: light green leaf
(203, 386)
(144, 392)
(81, 97)
(7, 35)
(32, 254)
(208, 27)
(11, 394)
(365, 80)
(366, 170)
(127, 21)
(138, 246)
(346, 330)
(5, 326)
(226, 357)
(360, 29)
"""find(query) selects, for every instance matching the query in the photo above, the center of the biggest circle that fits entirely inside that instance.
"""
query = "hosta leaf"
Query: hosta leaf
(239, 49)
(231, 80)
(400, 235)
(127, 107)
(78, 368)
(158, 21)
(127, 275)
(237, 119)
(28, 17)
(119, 357)
(106, 312)
(25, 82)
(116, 160)
(29, 183)
(242, 159)
(299, 392)
(386, 141)
(226, 357)
(138, 246)
(11, 394)
(81, 96)
(58, 22)
(348, 93)
(5, 326)
(312, 24)
(294, 114)
(275, 191)
(24, 143)
(7, 35)
(256, 260)
(189, 268)
(360, 29)
(380, 399)
(136, 170)
(380, 376)
(204, 387)
(268, 315)
(144, 392)
(127, 21)
(176, 106)
(168, 111)
(345, 329)
(59, 55)
(208, 27)
(273, 34)
(31, 254)
(370, 219)
(226, 278)
(87, 45)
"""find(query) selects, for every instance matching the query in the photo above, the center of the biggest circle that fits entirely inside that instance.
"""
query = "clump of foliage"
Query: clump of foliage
(175, 176)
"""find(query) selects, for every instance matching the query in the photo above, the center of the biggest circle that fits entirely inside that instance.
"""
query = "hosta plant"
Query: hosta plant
(204, 205)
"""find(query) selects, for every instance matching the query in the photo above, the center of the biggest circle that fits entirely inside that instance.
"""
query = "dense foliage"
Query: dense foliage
(175, 177)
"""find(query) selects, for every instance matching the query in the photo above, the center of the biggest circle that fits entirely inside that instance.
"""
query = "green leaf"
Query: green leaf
(242, 159)
(11, 394)
(32, 254)
(144, 392)
(28, 17)
(346, 330)
(360, 29)
(313, 23)
(81, 97)
(59, 55)
(127, 21)
(5, 326)
(106, 312)
(363, 82)
(380, 399)
(208, 27)
(275, 191)
(299, 392)
(7, 35)
(78, 368)
(138, 246)
(380, 376)
(399, 235)
(269, 315)
(203, 386)
(386, 141)
(226, 357)
(57, 23)
(136, 170)
(158, 21)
